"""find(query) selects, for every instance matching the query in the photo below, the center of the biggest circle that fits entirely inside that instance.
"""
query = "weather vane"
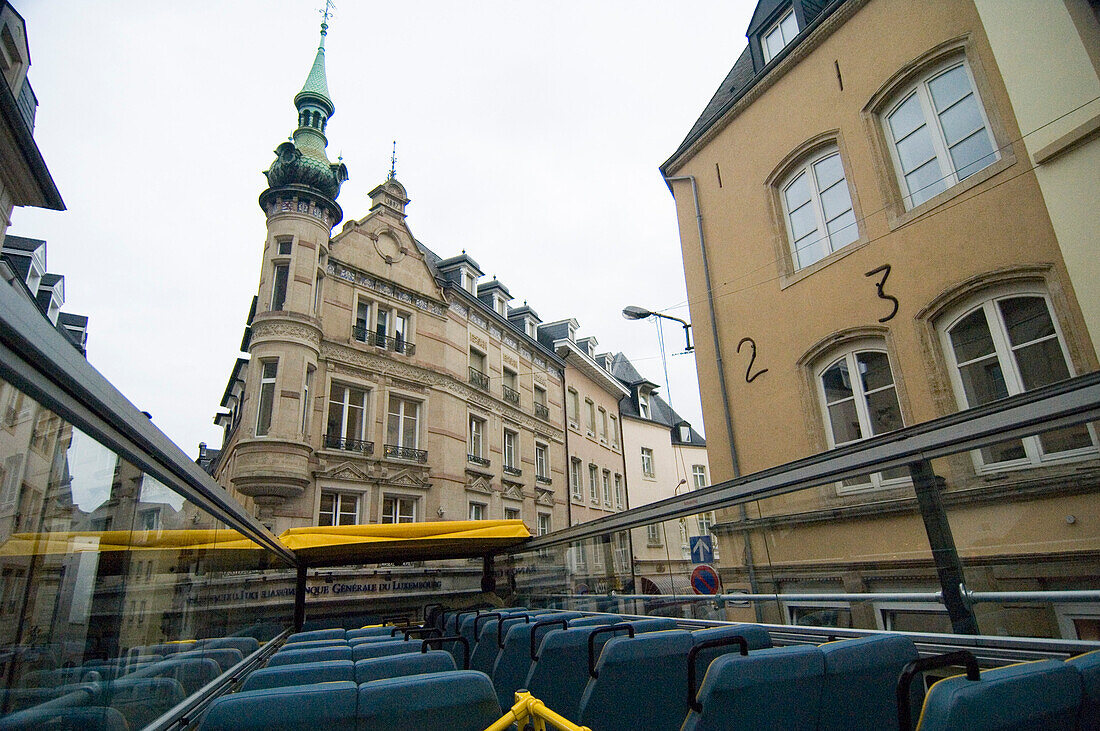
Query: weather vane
(393, 161)
(325, 15)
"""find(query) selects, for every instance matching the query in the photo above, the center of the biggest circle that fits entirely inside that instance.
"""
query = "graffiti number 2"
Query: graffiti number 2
(749, 375)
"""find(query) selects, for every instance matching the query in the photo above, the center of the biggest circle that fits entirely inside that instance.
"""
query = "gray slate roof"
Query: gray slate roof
(659, 410)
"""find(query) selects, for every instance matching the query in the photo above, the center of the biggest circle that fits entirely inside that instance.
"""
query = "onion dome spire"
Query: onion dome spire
(303, 160)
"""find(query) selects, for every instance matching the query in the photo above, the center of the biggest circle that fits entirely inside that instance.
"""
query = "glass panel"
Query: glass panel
(844, 422)
(916, 150)
(835, 201)
(874, 370)
(837, 381)
(1041, 364)
(1026, 319)
(884, 412)
(797, 192)
(970, 338)
(811, 249)
(790, 28)
(356, 400)
(961, 121)
(335, 411)
(925, 182)
(828, 171)
(803, 222)
(949, 87)
(1065, 440)
(972, 154)
(906, 118)
(983, 381)
(105, 571)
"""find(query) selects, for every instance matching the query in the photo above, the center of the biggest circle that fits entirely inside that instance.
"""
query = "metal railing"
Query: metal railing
(543, 479)
(479, 379)
(333, 441)
(511, 470)
(372, 337)
(530, 712)
(394, 451)
(542, 411)
(484, 462)
(510, 394)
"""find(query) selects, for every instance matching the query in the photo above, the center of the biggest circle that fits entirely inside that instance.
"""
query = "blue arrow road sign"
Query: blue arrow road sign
(702, 550)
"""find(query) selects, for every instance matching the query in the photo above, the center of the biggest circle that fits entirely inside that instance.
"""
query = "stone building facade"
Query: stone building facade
(872, 234)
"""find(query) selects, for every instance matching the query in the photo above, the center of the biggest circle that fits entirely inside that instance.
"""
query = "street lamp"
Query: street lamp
(633, 312)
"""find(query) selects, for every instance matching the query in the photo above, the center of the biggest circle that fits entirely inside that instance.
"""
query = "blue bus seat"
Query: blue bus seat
(317, 634)
(287, 656)
(592, 620)
(514, 660)
(327, 706)
(861, 677)
(756, 637)
(141, 700)
(368, 632)
(365, 650)
(247, 645)
(654, 624)
(484, 655)
(1037, 696)
(774, 688)
(558, 678)
(307, 644)
(84, 718)
(410, 663)
(16, 699)
(305, 673)
(1089, 667)
(191, 672)
(641, 682)
(458, 700)
(226, 657)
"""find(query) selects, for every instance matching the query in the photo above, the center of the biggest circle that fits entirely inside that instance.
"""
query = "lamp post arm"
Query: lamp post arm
(687, 329)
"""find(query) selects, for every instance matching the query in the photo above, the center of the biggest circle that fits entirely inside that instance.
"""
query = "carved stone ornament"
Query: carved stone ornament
(283, 330)
(478, 341)
(382, 286)
(481, 484)
(460, 309)
(514, 492)
(544, 497)
(345, 471)
(408, 478)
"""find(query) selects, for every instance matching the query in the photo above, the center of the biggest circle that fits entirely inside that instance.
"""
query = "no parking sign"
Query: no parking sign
(704, 580)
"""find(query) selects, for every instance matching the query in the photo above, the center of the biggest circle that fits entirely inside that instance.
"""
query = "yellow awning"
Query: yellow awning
(315, 546)
(390, 542)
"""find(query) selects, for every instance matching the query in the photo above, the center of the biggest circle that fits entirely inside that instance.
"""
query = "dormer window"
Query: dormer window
(685, 433)
(643, 405)
(776, 38)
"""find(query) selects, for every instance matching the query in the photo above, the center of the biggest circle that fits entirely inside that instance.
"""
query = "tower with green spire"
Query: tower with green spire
(273, 451)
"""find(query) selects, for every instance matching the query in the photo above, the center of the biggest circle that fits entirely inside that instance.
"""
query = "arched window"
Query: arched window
(817, 207)
(1007, 343)
(937, 131)
(859, 400)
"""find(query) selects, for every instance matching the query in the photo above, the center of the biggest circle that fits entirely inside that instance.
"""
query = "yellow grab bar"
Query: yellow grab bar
(528, 707)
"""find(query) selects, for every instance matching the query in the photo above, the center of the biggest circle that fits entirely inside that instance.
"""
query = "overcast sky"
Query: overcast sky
(528, 134)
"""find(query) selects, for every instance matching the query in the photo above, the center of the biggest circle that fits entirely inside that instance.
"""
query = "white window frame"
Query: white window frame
(643, 405)
(576, 479)
(1034, 455)
(594, 483)
(476, 436)
(919, 87)
(339, 498)
(542, 524)
(572, 402)
(542, 460)
(654, 535)
(365, 307)
(807, 169)
(399, 502)
(619, 491)
(511, 448)
(606, 476)
(511, 513)
(478, 511)
(699, 475)
(307, 390)
(345, 409)
(266, 394)
(614, 432)
(648, 468)
(788, 605)
(778, 27)
(875, 480)
(590, 417)
(285, 268)
(602, 422)
(403, 401)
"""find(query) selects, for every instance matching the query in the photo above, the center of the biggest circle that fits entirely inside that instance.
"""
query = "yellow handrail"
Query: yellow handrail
(528, 707)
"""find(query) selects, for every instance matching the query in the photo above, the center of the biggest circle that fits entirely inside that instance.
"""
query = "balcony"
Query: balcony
(542, 411)
(510, 394)
(334, 441)
(543, 480)
(392, 451)
(370, 337)
(477, 460)
(514, 471)
(479, 379)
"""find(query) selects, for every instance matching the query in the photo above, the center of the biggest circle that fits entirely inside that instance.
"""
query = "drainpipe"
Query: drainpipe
(721, 372)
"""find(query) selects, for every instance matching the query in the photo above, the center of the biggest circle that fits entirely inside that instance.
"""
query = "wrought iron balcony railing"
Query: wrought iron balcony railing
(335, 441)
(510, 394)
(542, 411)
(478, 460)
(510, 470)
(372, 337)
(479, 379)
(544, 480)
(413, 455)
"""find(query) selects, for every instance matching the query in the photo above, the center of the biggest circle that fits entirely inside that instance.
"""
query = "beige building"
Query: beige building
(382, 383)
(24, 179)
(864, 218)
